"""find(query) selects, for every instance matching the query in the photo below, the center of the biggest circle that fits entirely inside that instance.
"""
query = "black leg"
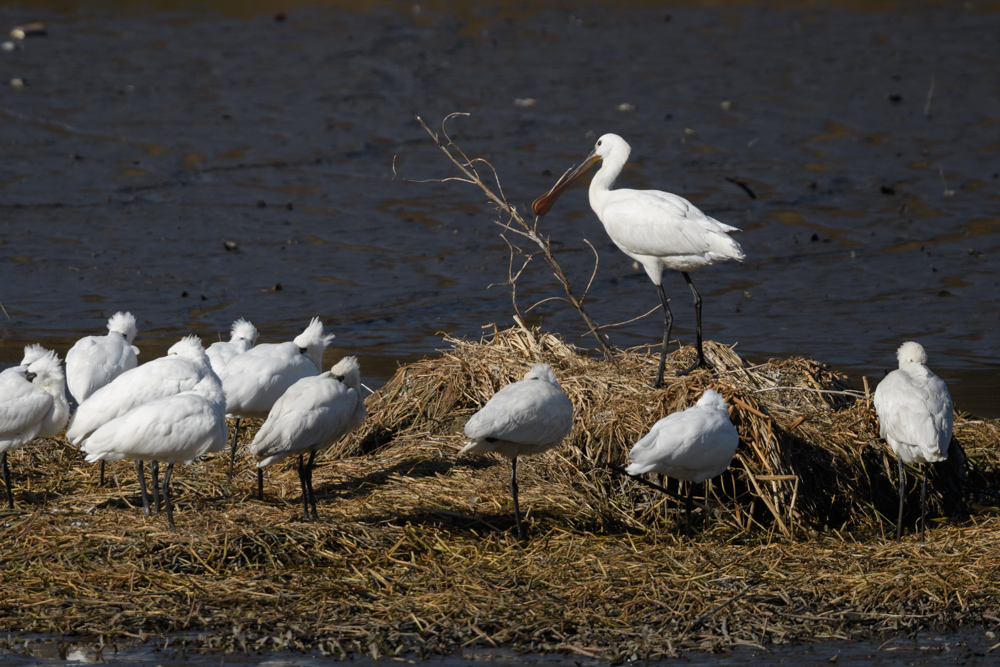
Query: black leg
(166, 495)
(923, 501)
(142, 486)
(260, 484)
(232, 448)
(899, 521)
(521, 534)
(6, 481)
(309, 483)
(663, 483)
(101, 483)
(305, 491)
(688, 506)
(700, 361)
(154, 478)
(668, 321)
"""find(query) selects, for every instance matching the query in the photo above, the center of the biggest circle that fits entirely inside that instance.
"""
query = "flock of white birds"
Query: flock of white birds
(173, 409)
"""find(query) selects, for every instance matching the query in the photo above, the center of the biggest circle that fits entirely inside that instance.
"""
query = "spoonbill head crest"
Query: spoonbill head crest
(242, 329)
(911, 352)
(123, 323)
(314, 342)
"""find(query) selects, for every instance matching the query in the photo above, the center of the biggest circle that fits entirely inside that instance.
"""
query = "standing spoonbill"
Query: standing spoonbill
(173, 429)
(657, 229)
(915, 416)
(242, 337)
(692, 445)
(185, 365)
(94, 361)
(310, 416)
(530, 416)
(32, 404)
(255, 380)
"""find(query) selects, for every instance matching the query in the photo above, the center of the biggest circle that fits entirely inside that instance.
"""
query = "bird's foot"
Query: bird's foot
(700, 363)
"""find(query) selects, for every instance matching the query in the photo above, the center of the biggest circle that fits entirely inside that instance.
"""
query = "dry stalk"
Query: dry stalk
(513, 224)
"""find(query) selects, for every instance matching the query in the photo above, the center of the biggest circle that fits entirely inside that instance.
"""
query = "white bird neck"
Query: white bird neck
(604, 179)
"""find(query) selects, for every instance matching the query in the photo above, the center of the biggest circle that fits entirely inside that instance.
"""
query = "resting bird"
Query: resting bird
(657, 229)
(242, 337)
(527, 417)
(311, 416)
(94, 361)
(32, 404)
(254, 380)
(185, 365)
(692, 446)
(915, 415)
(174, 429)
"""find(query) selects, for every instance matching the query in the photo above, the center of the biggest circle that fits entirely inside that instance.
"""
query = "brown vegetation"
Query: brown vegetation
(415, 551)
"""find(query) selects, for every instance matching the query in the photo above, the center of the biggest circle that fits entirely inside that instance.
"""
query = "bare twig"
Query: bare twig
(513, 224)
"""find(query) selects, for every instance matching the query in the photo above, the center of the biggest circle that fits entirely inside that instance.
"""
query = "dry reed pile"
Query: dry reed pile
(414, 553)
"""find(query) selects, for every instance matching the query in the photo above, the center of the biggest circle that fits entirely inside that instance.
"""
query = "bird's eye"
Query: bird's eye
(598, 142)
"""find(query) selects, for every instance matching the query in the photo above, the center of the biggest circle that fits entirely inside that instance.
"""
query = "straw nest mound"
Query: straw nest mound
(415, 551)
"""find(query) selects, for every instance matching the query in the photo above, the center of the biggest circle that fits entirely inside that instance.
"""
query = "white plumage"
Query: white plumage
(657, 229)
(173, 429)
(311, 416)
(32, 404)
(242, 337)
(526, 417)
(184, 366)
(94, 361)
(914, 409)
(255, 380)
(916, 415)
(692, 445)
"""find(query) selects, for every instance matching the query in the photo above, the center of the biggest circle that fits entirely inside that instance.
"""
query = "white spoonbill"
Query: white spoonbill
(313, 414)
(255, 380)
(185, 365)
(94, 361)
(173, 429)
(32, 404)
(692, 445)
(530, 416)
(242, 337)
(915, 416)
(657, 229)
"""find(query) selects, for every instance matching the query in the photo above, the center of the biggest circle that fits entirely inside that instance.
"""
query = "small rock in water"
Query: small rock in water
(625, 106)
(524, 102)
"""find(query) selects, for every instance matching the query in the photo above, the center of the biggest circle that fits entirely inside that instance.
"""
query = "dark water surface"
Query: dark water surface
(970, 648)
(147, 136)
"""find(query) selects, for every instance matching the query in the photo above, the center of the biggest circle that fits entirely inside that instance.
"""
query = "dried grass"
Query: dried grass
(415, 554)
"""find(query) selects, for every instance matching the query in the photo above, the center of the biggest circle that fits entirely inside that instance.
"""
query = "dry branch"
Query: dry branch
(514, 224)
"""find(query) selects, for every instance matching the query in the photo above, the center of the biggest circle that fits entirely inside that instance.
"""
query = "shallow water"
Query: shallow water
(968, 648)
(146, 138)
